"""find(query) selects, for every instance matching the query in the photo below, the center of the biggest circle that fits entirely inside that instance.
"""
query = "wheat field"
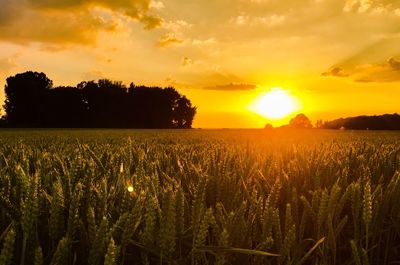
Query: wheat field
(199, 197)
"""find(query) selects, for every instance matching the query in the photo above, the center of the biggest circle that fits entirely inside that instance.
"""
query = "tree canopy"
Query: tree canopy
(301, 121)
(32, 101)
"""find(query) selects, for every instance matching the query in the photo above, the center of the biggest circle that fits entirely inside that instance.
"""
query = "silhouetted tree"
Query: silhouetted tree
(32, 102)
(65, 107)
(301, 121)
(319, 124)
(25, 99)
(104, 103)
(183, 113)
(268, 126)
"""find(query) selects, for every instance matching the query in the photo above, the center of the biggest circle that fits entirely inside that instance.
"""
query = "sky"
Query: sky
(337, 58)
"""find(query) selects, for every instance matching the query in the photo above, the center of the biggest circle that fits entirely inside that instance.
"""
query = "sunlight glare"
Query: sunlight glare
(275, 104)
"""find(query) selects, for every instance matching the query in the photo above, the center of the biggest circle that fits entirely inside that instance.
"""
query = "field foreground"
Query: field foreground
(199, 197)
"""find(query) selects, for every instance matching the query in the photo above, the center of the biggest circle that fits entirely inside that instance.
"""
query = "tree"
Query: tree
(31, 101)
(301, 121)
(65, 107)
(183, 113)
(25, 99)
(104, 103)
(268, 126)
(319, 124)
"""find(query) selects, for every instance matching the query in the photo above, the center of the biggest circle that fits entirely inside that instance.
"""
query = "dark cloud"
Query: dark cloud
(335, 71)
(394, 64)
(70, 21)
(151, 22)
(231, 87)
(186, 61)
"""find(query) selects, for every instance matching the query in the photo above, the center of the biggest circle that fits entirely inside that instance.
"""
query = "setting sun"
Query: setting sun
(275, 104)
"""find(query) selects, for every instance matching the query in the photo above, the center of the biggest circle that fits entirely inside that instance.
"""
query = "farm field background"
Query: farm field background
(199, 197)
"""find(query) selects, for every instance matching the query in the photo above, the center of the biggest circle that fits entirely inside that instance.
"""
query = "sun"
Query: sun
(275, 104)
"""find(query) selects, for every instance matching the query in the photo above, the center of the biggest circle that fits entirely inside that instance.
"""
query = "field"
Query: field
(199, 197)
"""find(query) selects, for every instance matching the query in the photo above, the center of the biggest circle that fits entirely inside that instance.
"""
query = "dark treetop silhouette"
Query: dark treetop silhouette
(31, 101)
(301, 121)
(378, 122)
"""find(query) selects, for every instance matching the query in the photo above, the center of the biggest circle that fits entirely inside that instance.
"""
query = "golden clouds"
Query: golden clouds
(157, 5)
(269, 21)
(68, 21)
(372, 6)
(54, 28)
(335, 71)
(388, 71)
(232, 87)
(137, 9)
(384, 72)
(168, 40)
(186, 61)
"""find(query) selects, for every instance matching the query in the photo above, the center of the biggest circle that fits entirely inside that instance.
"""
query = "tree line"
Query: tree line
(32, 101)
(377, 122)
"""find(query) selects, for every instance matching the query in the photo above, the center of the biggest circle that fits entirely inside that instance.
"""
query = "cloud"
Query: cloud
(71, 21)
(199, 65)
(137, 9)
(93, 75)
(209, 41)
(335, 71)
(6, 64)
(176, 26)
(54, 28)
(7, 11)
(232, 87)
(157, 5)
(270, 21)
(388, 71)
(394, 64)
(171, 82)
(376, 7)
(360, 6)
(169, 39)
(176, 33)
(186, 61)
(151, 22)
(211, 70)
(188, 84)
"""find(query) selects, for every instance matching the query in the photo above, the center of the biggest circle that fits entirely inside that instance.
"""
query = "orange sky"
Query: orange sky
(338, 58)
